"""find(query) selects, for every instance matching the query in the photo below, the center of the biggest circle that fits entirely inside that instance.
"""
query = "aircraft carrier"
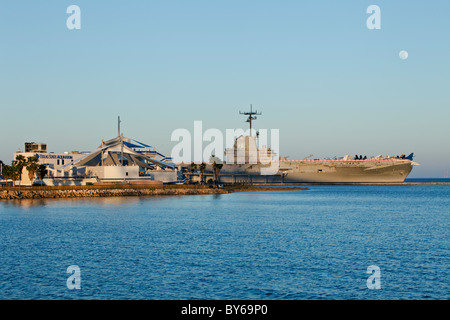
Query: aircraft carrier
(346, 169)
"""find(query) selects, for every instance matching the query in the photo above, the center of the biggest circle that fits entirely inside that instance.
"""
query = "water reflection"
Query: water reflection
(98, 201)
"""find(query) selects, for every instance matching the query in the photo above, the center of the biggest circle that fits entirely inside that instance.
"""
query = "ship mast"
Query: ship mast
(251, 117)
(121, 141)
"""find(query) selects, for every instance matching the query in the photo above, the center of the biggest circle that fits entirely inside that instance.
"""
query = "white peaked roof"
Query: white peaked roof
(110, 152)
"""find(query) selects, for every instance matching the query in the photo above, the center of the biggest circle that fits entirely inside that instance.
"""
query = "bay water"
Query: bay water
(290, 245)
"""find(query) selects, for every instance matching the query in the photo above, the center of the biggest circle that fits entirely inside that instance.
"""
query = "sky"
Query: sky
(331, 85)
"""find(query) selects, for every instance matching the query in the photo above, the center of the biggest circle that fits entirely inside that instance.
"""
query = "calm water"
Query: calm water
(314, 244)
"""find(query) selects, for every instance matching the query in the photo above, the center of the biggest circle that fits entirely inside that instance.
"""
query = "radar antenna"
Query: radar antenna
(251, 117)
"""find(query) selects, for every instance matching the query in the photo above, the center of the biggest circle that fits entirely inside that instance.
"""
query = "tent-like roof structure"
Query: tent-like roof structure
(118, 152)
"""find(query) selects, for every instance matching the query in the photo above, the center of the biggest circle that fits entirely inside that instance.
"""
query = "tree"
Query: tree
(17, 174)
(32, 166)
(217, 167)
(8, 173)
(1, 167)
(202, 168)
(19, 164)
(41, 172)
(193, 168)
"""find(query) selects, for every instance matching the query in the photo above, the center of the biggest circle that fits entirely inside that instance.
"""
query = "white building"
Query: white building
(116, 160)
(124, 160)
(55, 163)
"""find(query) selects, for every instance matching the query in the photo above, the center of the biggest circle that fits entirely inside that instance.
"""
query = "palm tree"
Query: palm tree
(8, 172)
(193, 168)
(1, 168)
(15, 175)
(202, 168)
(41, 172)
(217, 167)
(19, 164)
(32, 166)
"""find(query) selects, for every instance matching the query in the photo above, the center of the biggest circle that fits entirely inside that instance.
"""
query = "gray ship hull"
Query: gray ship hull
(321, 171)
(384, 171)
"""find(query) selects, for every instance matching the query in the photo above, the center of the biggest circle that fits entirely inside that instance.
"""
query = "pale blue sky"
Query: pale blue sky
(332, 86)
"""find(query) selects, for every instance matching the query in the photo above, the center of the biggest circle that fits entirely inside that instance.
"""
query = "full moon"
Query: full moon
(403, 55)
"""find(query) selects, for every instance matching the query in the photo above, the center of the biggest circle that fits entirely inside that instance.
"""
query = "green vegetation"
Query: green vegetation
(217, 167)
(10, 173)
(193, 168)
(41, 172)
(14, 171)
(202, 168)
(19, 164)
(32, 166)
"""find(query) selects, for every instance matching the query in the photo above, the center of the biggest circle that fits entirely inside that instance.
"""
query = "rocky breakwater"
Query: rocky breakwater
(41, 193)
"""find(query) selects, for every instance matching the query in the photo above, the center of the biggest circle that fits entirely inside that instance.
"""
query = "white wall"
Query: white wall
(113, 172)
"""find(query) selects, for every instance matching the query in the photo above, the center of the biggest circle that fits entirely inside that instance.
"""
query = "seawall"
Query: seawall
(92, 191)
(11, 193)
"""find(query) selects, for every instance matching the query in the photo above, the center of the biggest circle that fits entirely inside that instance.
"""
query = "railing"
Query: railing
(72, 177)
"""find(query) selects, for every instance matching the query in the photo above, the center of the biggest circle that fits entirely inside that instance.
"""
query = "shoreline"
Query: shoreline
(124, 190)
(355, 184)
(64, 192)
